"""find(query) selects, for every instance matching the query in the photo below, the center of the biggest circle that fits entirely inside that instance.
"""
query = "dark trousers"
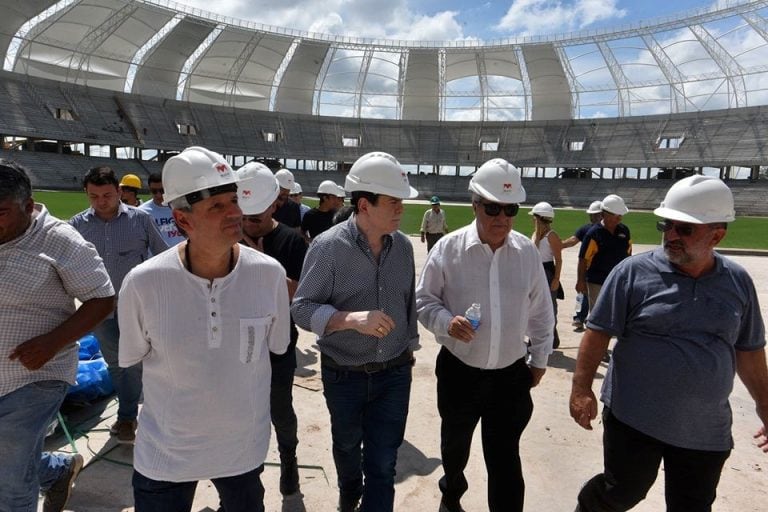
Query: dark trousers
(368, 413)
(281, 407)
(432, 239)
(632, 461)
(502, 400)
(239, 493)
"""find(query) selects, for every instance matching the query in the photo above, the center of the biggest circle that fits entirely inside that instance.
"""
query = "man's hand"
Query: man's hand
(581, 287)
(537, 373)
(460, 328)
(583, 406)
(762, 439)
(34, 353)
(372, 323)
(422, 238)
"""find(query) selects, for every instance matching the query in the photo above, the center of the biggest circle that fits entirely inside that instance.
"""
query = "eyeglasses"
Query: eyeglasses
(154, 191)
(251, 218)
(681, 229)
(494, 209)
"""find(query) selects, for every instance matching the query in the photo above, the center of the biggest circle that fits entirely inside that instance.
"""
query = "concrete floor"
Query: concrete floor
(558, 456)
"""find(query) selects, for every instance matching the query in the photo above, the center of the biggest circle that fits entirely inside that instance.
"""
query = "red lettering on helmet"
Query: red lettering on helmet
(507, 186)
(246, 193)
(222, 168)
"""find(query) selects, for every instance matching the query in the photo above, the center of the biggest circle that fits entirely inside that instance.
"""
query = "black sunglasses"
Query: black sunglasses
(494, 209)
(156, 190)
(681, 229)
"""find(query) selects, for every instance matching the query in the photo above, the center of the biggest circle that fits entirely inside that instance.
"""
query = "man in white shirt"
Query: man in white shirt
(486, 374)
(161, 212)
(203, 318)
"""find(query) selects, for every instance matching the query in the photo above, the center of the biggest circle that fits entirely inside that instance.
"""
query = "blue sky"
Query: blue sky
(448, 19)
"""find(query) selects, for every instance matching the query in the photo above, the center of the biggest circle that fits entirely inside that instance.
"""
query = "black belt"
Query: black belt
(374, 367)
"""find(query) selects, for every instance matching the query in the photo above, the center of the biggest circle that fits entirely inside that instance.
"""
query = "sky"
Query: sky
(447, 20)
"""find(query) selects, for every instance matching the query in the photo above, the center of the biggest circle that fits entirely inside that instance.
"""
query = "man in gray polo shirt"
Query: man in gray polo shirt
(686, 319)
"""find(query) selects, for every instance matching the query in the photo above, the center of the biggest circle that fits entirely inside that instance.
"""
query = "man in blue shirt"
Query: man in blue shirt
(687, 319)
(123, 236)
(356, 293)
(161, 213)
(595, 212)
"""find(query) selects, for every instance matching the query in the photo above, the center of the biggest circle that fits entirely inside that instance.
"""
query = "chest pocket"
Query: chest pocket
(253, 336)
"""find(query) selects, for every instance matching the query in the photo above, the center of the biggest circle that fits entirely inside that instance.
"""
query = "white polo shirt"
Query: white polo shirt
(205, 349)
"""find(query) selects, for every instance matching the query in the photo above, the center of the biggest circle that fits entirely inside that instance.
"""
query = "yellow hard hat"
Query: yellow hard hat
(130, 180)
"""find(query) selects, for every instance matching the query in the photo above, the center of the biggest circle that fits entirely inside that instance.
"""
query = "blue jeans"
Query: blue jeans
(127, 381)
(368, 413)
(239, 493)
(24, 417)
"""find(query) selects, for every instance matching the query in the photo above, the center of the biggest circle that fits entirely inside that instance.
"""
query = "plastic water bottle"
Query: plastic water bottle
(473, 315)
(579, 301)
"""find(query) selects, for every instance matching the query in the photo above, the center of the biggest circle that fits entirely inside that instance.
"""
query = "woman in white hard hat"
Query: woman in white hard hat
(550, 248)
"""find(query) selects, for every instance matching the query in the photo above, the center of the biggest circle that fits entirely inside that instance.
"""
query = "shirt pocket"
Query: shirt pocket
(253, 336)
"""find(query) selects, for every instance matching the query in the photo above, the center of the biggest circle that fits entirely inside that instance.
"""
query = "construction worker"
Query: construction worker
(687, 320)
(202, 318)
(367, 329)
(130, 185)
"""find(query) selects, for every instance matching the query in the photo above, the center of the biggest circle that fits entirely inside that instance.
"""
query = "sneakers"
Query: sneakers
(348, 505)
(124, 431)
(57, 496)
(289, 476)
(578, 325)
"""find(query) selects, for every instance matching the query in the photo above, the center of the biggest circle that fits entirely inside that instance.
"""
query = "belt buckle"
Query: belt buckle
(374, 367)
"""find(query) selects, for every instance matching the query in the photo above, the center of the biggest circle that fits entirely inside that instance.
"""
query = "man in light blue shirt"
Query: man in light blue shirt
(161, 212)
(123, 236)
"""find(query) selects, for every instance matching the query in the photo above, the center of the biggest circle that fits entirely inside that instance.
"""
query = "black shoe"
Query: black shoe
(289, 477)
(348, 505)
(444, 507)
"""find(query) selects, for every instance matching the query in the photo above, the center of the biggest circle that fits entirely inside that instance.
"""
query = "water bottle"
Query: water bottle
(473, 315)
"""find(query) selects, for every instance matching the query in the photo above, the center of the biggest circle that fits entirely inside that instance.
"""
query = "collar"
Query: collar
(472, 238)
(121, 209)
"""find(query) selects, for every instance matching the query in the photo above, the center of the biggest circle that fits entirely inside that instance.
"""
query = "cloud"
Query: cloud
(357, 18)
(527, 17)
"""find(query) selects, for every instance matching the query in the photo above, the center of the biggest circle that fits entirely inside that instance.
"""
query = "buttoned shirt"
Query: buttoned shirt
(341, 274)
(43, 271)
(508, 283)
(205, 349)
(123, 241)
(434, 222)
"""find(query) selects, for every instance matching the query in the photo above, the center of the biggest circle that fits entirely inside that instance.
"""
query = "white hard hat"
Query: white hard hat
(543, 209)
(379, 173)
(296, 188)
(285, 178)
(329, 187)
(196, 169)
(615, 205)
(257, 188)
(595, 207)
(499, 181)
(699, 200)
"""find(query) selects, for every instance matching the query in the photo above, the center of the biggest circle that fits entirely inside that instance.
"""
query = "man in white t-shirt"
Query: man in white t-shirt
(161, 212)
(203, 318)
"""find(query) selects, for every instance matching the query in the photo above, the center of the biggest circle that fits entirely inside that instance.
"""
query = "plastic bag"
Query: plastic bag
(93, 381)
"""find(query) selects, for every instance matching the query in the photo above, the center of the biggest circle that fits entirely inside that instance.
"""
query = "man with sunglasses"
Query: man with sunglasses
(687, 320)
(160, 212)
(486, 374)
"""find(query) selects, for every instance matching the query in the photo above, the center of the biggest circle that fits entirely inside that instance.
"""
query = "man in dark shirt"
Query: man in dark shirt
(603, 247)
(595, 212)
(257, 191)
(319, 219)
(286, 211)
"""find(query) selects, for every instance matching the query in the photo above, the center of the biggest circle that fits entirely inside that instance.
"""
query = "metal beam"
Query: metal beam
(362, 76)
(239, 65)
(619, 78)
(727, 64)
(672, 74)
